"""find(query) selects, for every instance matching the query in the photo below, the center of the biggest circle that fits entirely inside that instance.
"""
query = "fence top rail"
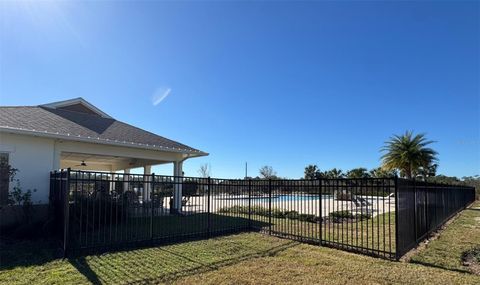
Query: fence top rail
(105, 173)
(255, 182)
(420, 183)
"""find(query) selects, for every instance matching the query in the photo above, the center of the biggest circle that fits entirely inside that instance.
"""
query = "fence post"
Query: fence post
(320, 208)
(66, 213)
(270, 206)
(152, 203)
(426, 190)
(250, 203)
(208, 205)
(397, 212)
(415, 216)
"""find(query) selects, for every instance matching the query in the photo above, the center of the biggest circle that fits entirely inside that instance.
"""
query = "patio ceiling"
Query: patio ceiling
(103, 162)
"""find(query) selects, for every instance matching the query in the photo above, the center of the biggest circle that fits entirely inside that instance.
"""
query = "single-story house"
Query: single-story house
(76, 134)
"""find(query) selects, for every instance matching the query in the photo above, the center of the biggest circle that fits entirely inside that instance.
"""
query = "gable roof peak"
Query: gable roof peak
(77, 105)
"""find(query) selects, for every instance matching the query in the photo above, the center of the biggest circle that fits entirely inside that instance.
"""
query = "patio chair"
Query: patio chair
(360, 202)
(185, 201)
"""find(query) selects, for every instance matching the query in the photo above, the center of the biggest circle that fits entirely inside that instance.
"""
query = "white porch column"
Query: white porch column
(147, 170)
(177, 193)
(112, 177)
(126, 178)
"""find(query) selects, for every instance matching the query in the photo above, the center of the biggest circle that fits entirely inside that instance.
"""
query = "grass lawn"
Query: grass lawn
(248, 258)
(375, 235)
(461, 235)
(35, 263)
(306, 264)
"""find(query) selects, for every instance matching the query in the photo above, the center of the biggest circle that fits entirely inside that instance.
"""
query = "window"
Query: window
(5, 171)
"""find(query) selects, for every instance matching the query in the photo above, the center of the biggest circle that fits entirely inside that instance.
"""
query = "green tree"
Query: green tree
(312, 172)
(444, 179)
(334, 173)
(473, 181)
(359, 172)
(408, 153)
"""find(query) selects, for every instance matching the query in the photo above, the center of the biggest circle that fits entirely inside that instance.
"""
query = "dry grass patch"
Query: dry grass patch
(459, 236)
(307, 264)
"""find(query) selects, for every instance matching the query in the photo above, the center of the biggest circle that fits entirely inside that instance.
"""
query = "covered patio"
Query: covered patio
(117, 164)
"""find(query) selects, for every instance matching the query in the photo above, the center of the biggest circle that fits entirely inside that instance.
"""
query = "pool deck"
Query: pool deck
(375, 204)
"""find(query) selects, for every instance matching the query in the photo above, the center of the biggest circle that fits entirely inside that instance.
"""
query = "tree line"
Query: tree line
(313, 172)
(407, 155)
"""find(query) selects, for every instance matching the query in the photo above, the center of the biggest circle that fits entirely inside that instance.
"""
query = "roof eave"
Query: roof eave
(100, 141)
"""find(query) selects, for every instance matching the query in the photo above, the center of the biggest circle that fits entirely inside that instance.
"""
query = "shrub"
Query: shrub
(261, 211)
(291, 215)
(306, 218)
(276, 213)
(471, 256)
(362, 217)
(341, 215)
(18, 197)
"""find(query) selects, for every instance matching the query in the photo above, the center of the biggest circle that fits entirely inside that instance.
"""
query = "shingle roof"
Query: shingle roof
(45, 120)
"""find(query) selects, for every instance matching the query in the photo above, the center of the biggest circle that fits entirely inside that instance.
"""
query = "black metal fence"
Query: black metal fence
(375, 216)
(424, 207)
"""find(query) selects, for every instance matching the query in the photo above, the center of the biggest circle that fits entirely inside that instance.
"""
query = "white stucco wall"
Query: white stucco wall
(33, 157)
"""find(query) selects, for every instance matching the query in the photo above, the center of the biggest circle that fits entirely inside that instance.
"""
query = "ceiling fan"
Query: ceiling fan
(82, 164)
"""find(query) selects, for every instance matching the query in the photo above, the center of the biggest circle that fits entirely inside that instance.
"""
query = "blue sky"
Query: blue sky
(284, 84)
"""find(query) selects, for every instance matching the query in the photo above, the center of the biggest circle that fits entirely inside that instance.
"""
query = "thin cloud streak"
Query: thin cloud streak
(159, 95)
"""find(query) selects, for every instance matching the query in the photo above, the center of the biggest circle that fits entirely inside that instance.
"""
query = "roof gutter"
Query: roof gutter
(46, 134)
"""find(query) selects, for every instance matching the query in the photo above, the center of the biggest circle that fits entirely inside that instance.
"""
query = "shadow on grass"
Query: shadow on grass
(162, 263)
(171, 229)
(438, 266)
(204, 267)
(155, 260)
(82, 266)
(14, 253)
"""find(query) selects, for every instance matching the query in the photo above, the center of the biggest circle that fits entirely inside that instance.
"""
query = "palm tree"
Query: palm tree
(408, 154)
(312, 172)
(334, 173)
(359, 172)
(379, 172)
